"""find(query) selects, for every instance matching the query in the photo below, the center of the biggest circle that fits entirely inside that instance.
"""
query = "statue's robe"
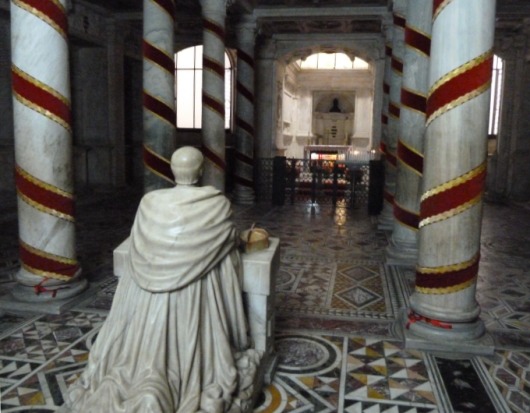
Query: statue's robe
(175, 339)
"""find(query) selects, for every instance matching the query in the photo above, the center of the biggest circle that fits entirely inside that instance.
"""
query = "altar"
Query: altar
(327, 152)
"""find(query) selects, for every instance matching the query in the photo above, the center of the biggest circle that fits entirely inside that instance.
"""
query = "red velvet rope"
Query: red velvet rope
(416, 318)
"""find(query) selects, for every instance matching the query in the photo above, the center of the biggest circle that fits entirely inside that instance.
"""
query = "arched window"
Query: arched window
(496, 95)
(188, 88)
(331, 61)
(497, 81)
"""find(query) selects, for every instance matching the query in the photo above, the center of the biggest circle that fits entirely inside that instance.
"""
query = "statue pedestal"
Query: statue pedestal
(259, 282)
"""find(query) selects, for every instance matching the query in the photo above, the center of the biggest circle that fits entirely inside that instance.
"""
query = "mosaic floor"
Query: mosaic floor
(339, 346)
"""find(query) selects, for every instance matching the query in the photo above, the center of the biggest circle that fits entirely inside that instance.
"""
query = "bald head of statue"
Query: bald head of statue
(186, 164)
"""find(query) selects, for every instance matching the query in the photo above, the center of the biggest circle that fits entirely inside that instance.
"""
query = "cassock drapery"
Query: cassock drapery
(175, 339)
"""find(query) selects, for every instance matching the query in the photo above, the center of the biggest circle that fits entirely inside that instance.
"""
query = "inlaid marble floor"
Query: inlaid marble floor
(340, 347)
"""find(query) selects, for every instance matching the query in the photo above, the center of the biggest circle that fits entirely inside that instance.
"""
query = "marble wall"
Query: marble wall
(6, 110)
(302, 90)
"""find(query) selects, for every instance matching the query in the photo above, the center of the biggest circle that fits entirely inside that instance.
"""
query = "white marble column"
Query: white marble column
(403, 246)
(244, 168)
(389, 30)
(443, 306)
(213, 92)
(159, 93)
(43, 152)
(386, 219)
(265, 99)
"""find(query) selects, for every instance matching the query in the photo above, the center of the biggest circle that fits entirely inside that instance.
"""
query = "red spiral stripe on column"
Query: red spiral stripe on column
(382, 148)
(244, 158)
(417, 40)
(450, 278)
(388, 50)
(406, 217)
(410, 157)
(386, 88)
(397, 65)
(452, 197)
(159, 108)
(213, 104)
(158, 57)
(213, 157)
(39, 97)
(245, 126)
(167, 5)
(245, 57)
(399, 20)
(45, 264)
(384, 119)
(241, 157)
(413, 100)
(460, 85)
(243, 91)
(438, 6)
(158, 165)
(391, 158)
(214, 28)
(394, 110)
(388, 197)
(214, 66)
(52, 12)
(43, 196)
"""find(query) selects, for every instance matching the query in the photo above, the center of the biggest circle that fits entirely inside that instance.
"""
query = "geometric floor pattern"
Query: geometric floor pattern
(355, 287)
(337, 303)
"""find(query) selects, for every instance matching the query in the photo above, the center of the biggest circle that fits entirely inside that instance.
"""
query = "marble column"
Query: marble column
(403, 246)
(213, 92)
(244, 168)
(389, 29)
(443, 306)
(159, 93)
(386, 219)
(43, 152)
(266, 99)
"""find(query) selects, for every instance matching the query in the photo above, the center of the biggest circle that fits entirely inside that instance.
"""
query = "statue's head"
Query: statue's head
(186, 164)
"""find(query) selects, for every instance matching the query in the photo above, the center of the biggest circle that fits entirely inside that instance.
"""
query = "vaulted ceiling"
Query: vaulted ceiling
(299, 16)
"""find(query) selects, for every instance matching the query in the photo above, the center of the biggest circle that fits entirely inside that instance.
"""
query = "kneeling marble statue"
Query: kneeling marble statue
(175, 339)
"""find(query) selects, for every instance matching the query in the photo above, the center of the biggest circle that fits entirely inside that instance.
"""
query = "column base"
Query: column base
(386, 219)
(453, 339)
(401, 253)
(58, 305)
(28, 293)
(32, 288)
(243, 196)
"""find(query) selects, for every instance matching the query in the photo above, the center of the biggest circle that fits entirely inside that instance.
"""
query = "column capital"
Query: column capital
(246, 29)
(267, 50)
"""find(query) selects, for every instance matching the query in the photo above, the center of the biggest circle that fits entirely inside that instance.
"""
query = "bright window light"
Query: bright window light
(332, 61)
(188, 88)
